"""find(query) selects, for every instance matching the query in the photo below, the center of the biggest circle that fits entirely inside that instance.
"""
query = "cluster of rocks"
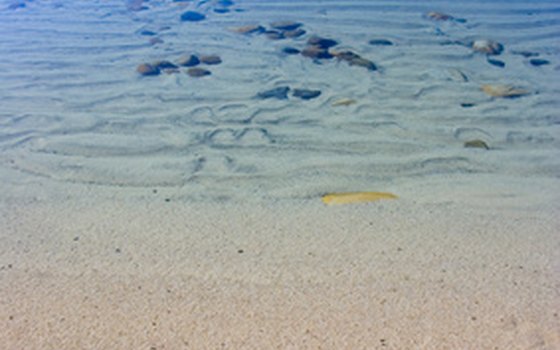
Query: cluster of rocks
(189, 61)
(317, 47)
(486, 46)
(281, 93)
(222, 6)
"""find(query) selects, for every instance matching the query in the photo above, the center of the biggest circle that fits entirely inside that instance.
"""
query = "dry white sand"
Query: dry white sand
(146, 273)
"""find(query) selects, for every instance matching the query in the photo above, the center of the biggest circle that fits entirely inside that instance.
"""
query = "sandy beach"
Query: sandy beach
(153, 273)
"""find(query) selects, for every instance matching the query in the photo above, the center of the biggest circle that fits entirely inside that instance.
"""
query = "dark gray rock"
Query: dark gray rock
(496, 63)
(198, 72)
(306, 94)
(316, 52)
(192, 16)
(274, 35)
(188, 61)
(381, 42)
(285, 25)
(290, 50)
(321, 42)
(280, 93)
(296, 33)
(537, 62)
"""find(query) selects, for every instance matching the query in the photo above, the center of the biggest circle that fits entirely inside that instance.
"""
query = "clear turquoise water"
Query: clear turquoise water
(73, 109)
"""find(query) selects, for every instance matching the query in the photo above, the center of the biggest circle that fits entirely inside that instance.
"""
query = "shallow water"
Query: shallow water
(74, 109)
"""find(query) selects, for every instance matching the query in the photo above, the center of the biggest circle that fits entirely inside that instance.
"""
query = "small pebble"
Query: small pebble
(316, 52)
(164, 65)
(476, 144)
(198, 72)
(439, 16)
(210, 59)
(192, 16)
(250, 29)
(280, 93)
(274, 35)
(226, 3)
(188, 61)
(155, 41)
(496, 63)
(305, 94)
(321, 42)
(381, 42)
(147, 33)
(488, 47)
(285, 25)
(296, 33)
(290, 50)
(537, 62)
(221, 11)
(467, 105)
(147, 69)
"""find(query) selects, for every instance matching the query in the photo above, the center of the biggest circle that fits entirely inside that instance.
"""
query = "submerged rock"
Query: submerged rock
(290, 50)
(274, 35)
(296, 33)
(476, 144)
(147, 69)
(381, 42)
(249, 29)
(285, 25)
(439, 16)
(306, 94)
(324, 43)
(198, 72)
(504, 91)
(537, 62)
(210, 59)
(192, 16)
(354, 59)
(164, 65)
(316, 52)
(280, 93)
(188, 61)
(496, 63)
(488, 47)
(155, 41)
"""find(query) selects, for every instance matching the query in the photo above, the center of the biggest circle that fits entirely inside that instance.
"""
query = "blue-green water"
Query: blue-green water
(75, 110)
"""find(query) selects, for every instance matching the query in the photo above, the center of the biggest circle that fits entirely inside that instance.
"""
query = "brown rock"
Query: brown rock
(249, 29)
(147, 69)
(285, 25)
(198, 72)
(316, 52)
(438, 16)
(274, 35)
(296, 33)
(210, 59)
(476, 144)
(188, 61)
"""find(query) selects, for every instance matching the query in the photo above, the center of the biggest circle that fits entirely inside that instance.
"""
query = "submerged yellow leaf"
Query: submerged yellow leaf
(344, 102)
(356, 197)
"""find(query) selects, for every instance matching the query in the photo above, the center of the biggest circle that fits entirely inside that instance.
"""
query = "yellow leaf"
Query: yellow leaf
(356, 197)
